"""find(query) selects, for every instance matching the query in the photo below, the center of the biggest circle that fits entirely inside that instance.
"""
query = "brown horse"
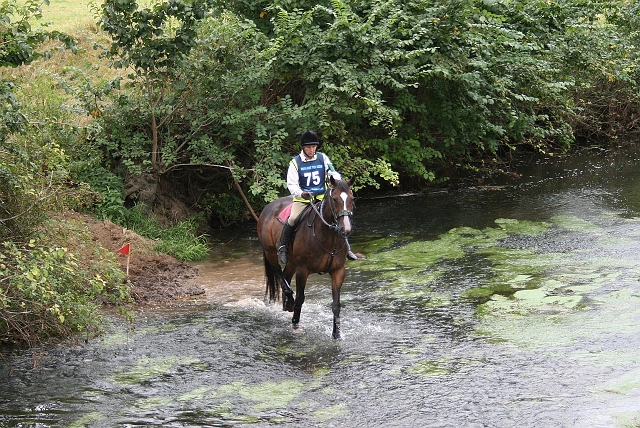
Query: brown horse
(319, 246)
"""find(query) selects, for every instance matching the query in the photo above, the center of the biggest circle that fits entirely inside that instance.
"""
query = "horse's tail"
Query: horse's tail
(272, 280)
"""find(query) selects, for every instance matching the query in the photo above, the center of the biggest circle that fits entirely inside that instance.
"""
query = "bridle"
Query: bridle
(336, 215)
(332, 226)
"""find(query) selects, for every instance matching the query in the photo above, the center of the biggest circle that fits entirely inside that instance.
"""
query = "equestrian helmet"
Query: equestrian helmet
(309, 138)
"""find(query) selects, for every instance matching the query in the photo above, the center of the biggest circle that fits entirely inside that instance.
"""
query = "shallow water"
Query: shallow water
(509, 305)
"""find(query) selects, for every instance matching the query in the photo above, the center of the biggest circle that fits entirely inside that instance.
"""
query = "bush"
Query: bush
(108, 189)
(49, 291)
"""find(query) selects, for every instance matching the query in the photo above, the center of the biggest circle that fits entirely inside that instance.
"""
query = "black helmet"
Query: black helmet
(309, 138)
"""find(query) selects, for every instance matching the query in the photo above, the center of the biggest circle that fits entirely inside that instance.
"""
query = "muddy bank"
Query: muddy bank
(156, 277)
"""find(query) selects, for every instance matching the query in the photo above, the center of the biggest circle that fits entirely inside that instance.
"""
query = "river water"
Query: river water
(516, 304)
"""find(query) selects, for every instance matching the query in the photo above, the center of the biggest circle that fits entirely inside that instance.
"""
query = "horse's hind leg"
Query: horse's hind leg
(287, 295)
(301, 282)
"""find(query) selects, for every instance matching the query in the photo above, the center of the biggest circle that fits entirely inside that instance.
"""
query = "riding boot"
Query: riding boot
(282, 244)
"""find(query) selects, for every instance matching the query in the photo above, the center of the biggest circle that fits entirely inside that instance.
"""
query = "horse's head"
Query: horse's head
(341, 204)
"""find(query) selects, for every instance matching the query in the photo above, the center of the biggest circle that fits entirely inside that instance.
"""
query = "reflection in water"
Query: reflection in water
(235, 277)
(501, 307)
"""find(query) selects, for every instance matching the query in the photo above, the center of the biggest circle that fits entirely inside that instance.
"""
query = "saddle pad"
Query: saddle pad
(284, 214)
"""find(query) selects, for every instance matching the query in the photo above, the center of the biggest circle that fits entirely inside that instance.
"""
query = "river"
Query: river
(515, 304)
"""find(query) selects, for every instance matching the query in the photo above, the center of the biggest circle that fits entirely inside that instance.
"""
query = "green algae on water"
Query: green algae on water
(264, 396)
(625, 384)
(148, 368)
(574, 223)
(419, 257)
(196, 394)
(219, 333)
(152, 403)
(119, 338)
(370, 245)
(522, 227)
(89, 419)
(429, 368)
(330, 412)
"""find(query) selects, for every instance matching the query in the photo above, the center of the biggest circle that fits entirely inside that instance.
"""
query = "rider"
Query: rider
(306, 180)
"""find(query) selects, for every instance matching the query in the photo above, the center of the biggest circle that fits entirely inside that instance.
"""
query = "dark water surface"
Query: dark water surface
(501, 306)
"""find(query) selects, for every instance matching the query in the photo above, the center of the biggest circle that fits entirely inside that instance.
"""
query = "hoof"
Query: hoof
(288, 303)
(290, 306)
(335, 334)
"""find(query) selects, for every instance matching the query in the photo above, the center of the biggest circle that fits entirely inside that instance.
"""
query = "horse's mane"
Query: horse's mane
(342, 185)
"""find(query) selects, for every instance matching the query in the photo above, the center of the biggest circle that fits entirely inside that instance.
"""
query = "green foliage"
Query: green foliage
(19, 46)
(420, 83)
(152, 41)
(108, 188)
(226, 207)
(32, 180)
(32, 166)
(180, 241)
(20, 40)
(606, 73)
(47, 292)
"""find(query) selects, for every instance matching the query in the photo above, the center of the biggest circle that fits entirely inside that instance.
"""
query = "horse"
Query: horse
(319, 245)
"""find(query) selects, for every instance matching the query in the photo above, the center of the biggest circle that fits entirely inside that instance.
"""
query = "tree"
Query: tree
(153, 41)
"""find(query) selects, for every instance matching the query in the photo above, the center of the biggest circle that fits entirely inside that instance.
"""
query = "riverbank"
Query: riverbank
(156, 277)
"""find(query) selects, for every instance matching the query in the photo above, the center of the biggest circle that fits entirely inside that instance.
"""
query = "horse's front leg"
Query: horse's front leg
(337, 277)
(301, 282)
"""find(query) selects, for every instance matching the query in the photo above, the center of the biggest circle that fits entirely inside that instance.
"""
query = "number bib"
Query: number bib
(311, 174)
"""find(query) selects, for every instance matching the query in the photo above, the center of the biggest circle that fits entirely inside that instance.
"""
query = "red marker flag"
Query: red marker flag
(125, 250)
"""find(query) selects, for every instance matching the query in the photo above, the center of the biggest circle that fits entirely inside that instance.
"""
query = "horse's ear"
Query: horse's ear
(332, 180)
(351, 181)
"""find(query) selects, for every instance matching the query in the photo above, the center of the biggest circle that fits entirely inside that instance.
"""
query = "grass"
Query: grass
(70, 16)
(78, 19)
(181, 240)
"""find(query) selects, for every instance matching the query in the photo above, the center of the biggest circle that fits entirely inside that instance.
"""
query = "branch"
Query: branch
(235, 182)
(41, 198)
(212, 165)
(244, 198)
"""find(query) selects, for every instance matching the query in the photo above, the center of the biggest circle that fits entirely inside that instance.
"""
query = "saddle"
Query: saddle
(286, 212)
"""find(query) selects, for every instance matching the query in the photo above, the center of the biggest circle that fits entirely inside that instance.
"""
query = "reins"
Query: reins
(336, 216)
(333, 226)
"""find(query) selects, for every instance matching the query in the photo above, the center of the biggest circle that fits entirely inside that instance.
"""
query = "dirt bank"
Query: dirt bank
(156, 277)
